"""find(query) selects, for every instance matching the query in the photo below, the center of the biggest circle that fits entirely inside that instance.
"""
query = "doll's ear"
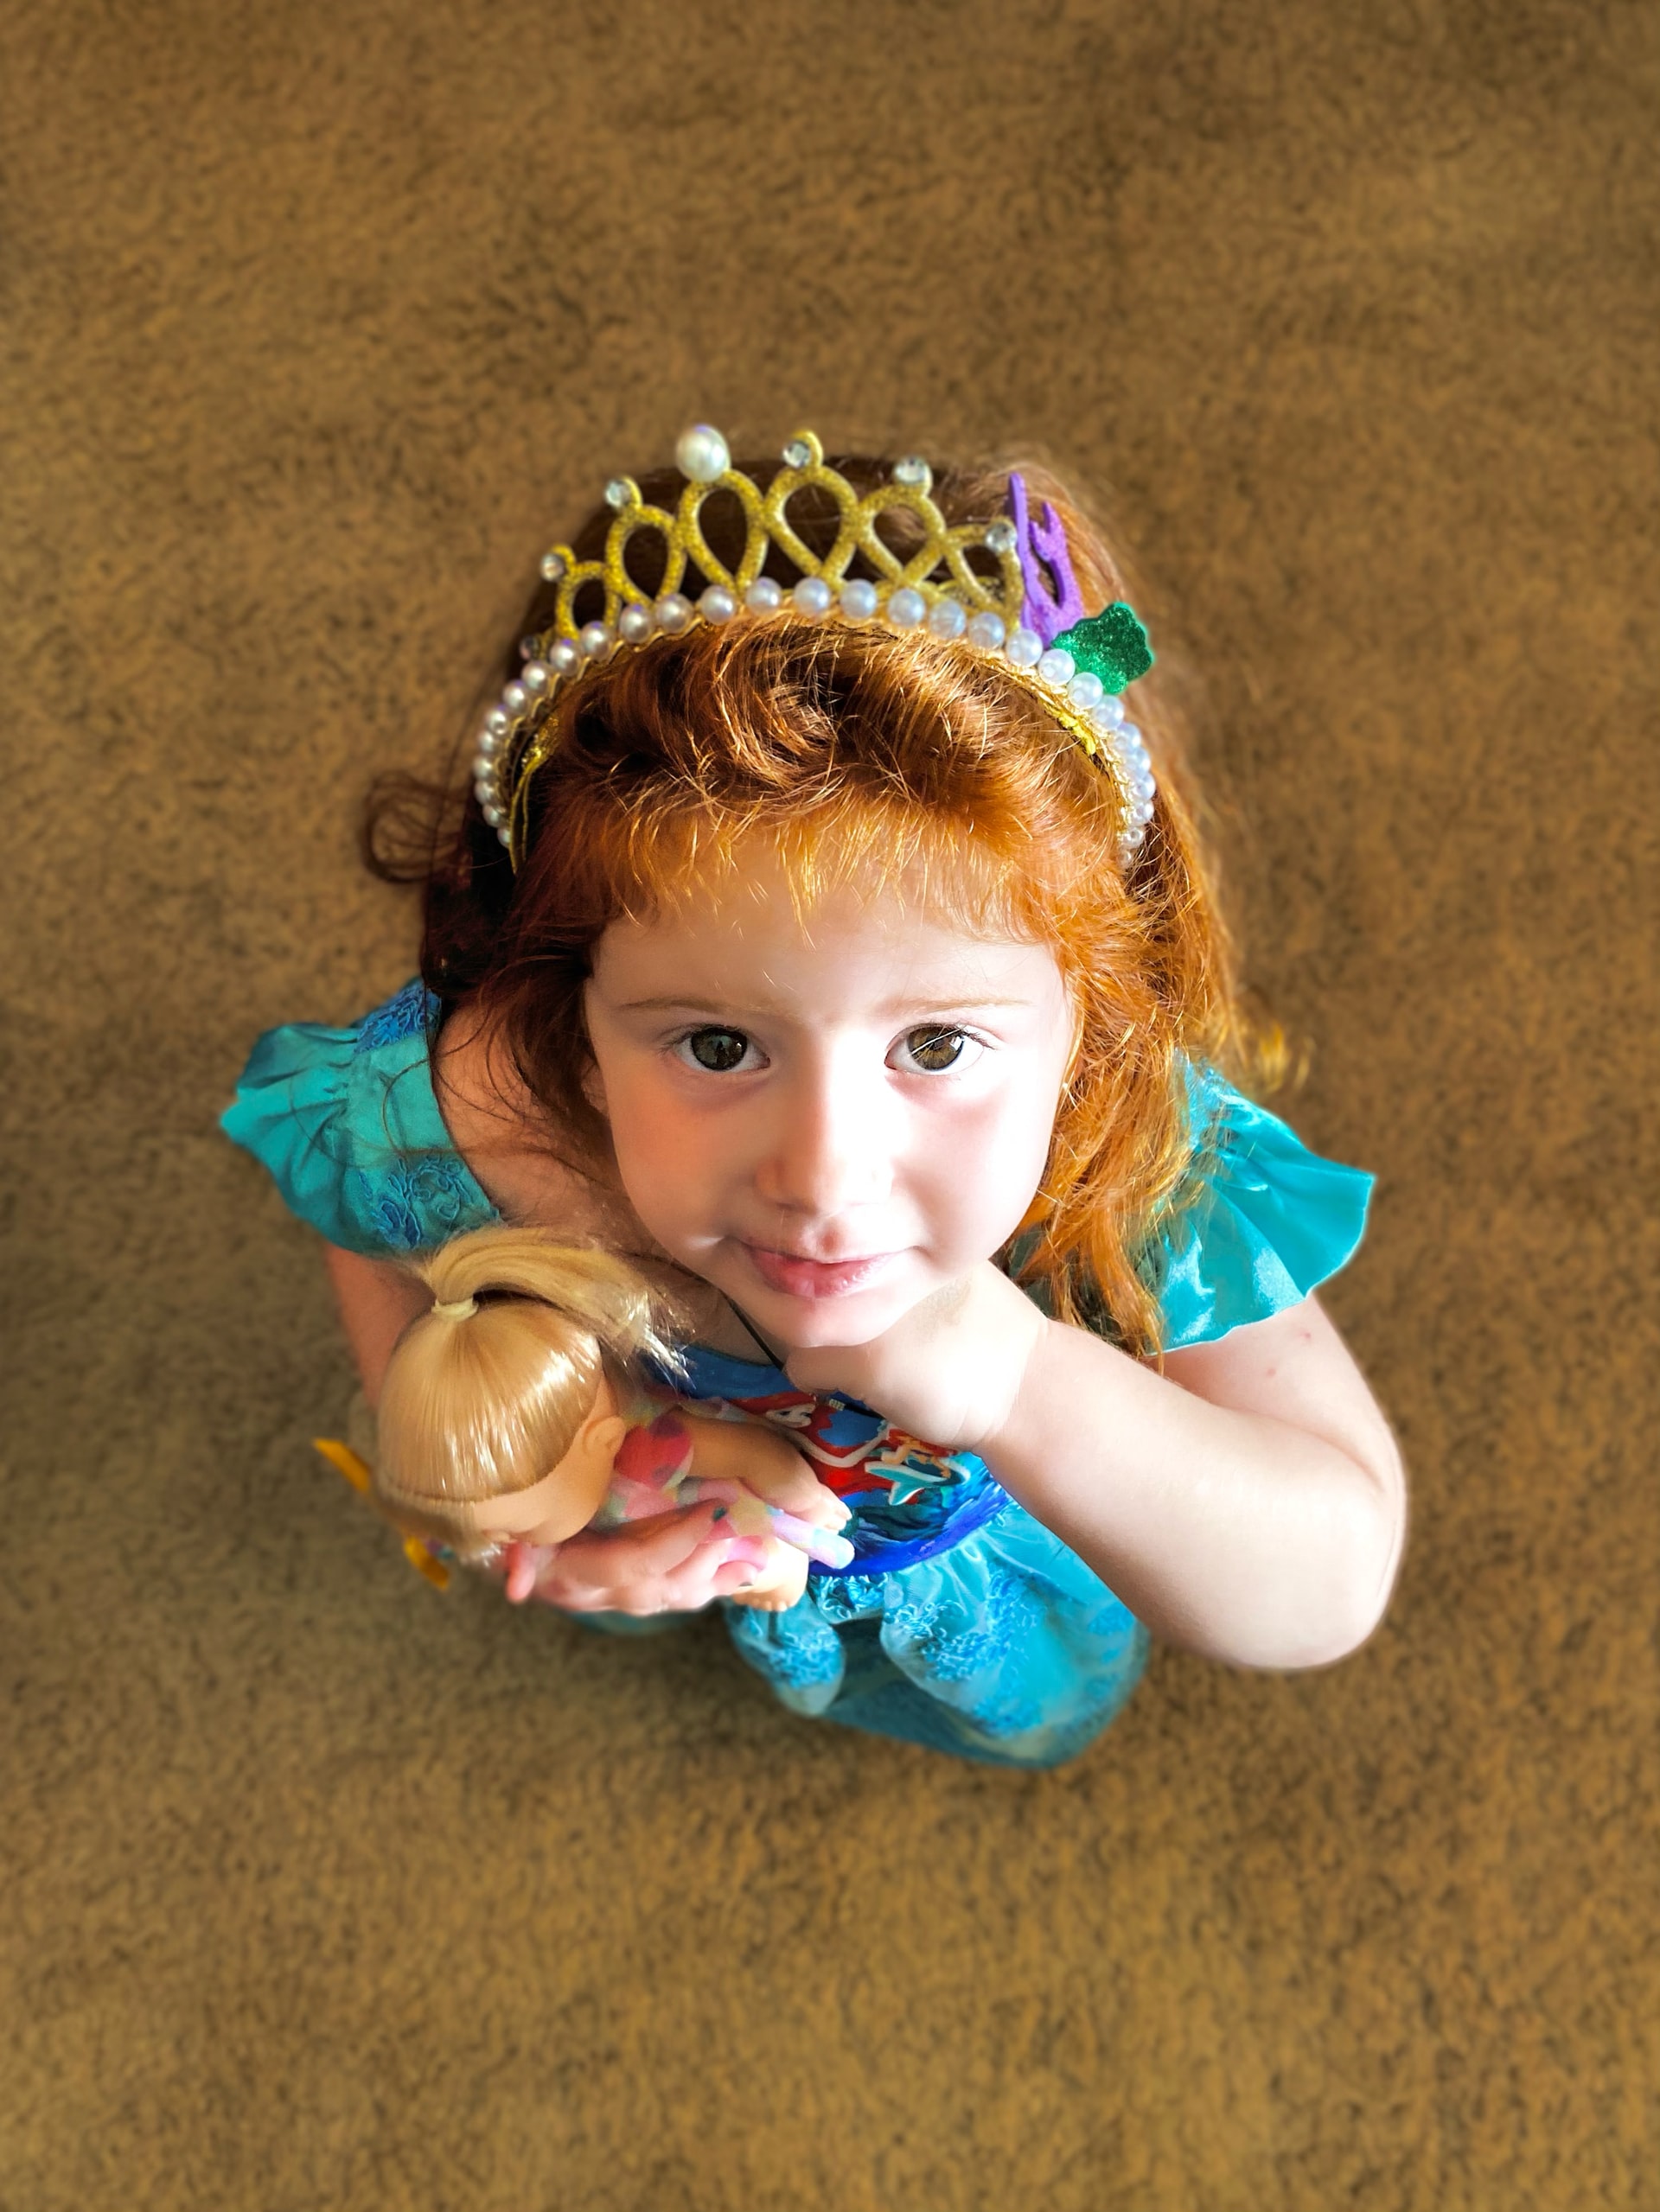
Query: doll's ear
(601, 1437)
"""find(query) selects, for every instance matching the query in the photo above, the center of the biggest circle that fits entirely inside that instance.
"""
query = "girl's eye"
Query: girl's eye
(933, 1050)
(717, 1051)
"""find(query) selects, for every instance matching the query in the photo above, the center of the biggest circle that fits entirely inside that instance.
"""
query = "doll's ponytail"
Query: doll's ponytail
(486, 1390)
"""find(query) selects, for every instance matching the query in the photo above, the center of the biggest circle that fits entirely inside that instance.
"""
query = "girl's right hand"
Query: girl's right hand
(673, 1563)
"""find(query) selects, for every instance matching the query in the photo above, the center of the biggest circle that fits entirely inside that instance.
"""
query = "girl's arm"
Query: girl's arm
(377, 1302)
(1249, 1503)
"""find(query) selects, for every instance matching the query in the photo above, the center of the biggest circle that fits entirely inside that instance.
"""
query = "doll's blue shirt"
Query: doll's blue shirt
(963, 1623)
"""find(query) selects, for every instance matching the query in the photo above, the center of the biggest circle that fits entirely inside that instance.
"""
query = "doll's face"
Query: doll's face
(569, 1496)
(828, 1120)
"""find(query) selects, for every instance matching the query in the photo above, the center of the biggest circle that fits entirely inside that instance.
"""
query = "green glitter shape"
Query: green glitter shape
(1112, 645)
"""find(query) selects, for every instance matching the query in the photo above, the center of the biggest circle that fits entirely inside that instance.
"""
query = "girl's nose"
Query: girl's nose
(832, 1144)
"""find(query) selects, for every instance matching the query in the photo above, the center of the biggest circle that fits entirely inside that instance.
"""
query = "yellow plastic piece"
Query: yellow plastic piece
(422, 1560)
(345, 1460)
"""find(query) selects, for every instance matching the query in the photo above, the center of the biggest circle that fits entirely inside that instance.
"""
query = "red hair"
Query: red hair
(875, 758)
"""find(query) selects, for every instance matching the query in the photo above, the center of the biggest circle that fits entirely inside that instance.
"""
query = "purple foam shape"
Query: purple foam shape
(1038, 540)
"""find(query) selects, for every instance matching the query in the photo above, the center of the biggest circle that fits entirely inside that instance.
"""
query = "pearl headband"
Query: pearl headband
(1027, 614)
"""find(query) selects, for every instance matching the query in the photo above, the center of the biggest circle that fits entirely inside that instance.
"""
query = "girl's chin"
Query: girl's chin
(810, 1324)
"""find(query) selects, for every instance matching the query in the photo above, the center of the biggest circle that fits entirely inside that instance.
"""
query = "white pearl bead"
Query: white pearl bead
(504, 836)
(764, 596)
(535, 678)
(515, 698)
(716, 604)
(1086, 689)
(1056, 666)
(562, 657)
(634, 624)
(673, 612)
(493, 816)
(498, 722)
(858, 600)
(1026, 648)
(552, 566)
(987, 632)
(490, 743)
(483, 771)
(702, 454)
(596, 640)
(907, 608)
(947, 618)
(483, 789)
(1128, 732)
(1109, 715)
(813, 597)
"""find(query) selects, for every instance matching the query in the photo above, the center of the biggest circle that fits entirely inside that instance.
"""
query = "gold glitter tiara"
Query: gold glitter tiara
(1011, 608)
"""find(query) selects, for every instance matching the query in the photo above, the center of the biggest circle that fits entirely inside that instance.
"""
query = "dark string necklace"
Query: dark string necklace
(833, 1398)
(752, 1332)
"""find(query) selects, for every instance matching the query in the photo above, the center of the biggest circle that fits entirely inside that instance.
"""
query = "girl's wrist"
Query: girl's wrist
(1028, 1399)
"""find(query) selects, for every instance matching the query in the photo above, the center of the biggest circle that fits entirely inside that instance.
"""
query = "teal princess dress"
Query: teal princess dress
(961, 1623)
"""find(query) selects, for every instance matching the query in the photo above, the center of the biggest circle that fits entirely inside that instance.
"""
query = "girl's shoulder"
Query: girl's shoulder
(347, 1123)
(1260, 1222)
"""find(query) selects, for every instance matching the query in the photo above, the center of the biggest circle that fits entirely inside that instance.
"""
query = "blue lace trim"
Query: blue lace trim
(410, 1013)
(423, 1200)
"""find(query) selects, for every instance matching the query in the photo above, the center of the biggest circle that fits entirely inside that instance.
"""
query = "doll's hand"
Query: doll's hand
(948, 1371)
(673, 1563)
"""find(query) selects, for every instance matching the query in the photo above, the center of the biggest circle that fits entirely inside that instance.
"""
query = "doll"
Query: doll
(515, 1411)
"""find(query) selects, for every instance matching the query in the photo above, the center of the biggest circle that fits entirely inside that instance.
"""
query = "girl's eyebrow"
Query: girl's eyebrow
(925, 1006)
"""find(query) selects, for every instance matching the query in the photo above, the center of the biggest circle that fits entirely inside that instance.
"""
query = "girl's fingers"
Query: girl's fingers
(521, 1573)
(643, 1551)
(654, 1566)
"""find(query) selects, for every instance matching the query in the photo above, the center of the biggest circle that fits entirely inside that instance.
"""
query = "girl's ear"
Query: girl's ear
(594, 1087)
(593, 1083)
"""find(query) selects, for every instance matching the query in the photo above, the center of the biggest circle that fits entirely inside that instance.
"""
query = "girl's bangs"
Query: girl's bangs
(986, 880)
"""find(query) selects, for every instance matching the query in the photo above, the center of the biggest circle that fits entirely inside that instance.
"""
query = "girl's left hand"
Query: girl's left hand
(948, 1371)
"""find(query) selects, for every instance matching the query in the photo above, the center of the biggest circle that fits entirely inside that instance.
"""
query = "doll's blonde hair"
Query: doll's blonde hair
(487, 1389)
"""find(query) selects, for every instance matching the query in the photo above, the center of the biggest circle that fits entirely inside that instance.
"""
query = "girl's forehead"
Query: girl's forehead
(873, 942)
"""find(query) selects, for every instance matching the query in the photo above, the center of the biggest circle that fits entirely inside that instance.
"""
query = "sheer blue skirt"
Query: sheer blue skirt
(1006, 1648)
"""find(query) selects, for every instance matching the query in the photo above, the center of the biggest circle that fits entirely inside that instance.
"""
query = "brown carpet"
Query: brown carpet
(319, 1890)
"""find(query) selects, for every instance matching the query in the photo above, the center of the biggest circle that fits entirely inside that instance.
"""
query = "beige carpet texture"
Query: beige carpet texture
(320, 1889)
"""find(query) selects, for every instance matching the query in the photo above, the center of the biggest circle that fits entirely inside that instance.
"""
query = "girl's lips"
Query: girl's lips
(814, 1278)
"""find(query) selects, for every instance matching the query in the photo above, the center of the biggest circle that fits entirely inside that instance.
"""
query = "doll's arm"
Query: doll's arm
(763, 1462)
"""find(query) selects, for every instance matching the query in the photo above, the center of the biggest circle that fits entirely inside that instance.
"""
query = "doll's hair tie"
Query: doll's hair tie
(456, 1309)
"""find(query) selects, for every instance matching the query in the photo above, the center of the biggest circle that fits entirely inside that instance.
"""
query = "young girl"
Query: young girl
(820, 932)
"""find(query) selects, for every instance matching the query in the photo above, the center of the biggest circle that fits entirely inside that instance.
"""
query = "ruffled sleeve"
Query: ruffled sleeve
(347, 1122)
(1267, 1221)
